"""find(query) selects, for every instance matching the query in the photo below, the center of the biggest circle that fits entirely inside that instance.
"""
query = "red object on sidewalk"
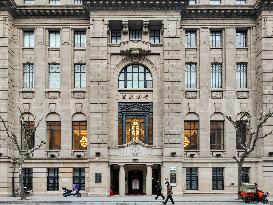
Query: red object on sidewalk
(111, 192)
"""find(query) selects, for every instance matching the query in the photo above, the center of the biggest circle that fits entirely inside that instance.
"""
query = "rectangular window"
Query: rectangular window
(241, 39)
(191, 39)
(78, 2)
(154, 36)
(116, 36)
(240, 1)
(28, 76)
(190, 75)
(192, 178)
(241, 134)
(192, 2)
(29, 39)
(79, 177)
(28, 135)
(245, 174)
(216, 135)
(191, 135)
(215, 39)
(54, 135)
(135, 35)
(216, 75)
(79, 134)
(54, 39)
(217, 178)
(27, 178)
(54, 2)
(80, 76)
(79, 39)
(241, 76)
(215, 2)
(29, 2)
(54, 76)
(52, 179)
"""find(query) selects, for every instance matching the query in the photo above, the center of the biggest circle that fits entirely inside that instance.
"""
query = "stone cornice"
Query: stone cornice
(218, 12)
(195, 11)
(51, 11)
(135, 4)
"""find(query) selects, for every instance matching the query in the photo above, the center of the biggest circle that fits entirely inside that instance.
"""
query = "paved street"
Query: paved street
(127, 200)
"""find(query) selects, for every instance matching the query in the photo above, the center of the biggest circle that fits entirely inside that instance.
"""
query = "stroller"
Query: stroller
(75, 191)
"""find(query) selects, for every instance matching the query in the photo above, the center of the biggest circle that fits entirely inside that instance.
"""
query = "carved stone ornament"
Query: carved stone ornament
(191, 94)
(135, 47)
(79, 94)
(53, 94)
(147, 107)
(217, 95)
(27, 94)
(242, 94)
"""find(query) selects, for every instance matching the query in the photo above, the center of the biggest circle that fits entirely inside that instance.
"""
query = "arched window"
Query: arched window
(53, 124)
(79, 131)
(135, 76)
(191, 132)
(27, 131)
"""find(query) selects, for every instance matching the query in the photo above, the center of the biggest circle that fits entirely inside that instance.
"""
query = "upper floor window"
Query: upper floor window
(215, 39)
(216, 135)
(216, 75)
(54, 76)
(191, 135)
(191, 39)
(29, 39)
(54, 135)
(54, 39)
(115, 36)
(28, 76)
(190, 75)
(241, 75)
(79, 133)
(192, 178)
(241, 39)
(79, 39)
(192, 2)
(240, 1)
(78, 2)
(27, 178)
(154, 36)
(54, 2)
(80, 76)
(135, 76)
(217, 178)
(28, 134)
(135, 35)
(52, 179)
(215, 2)
(29, 1)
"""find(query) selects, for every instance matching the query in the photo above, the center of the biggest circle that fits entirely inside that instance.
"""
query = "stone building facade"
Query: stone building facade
(134, 91)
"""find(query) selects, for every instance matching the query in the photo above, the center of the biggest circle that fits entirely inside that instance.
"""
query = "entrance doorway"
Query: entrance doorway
(135, 182)
(156, 175)
(114, 179)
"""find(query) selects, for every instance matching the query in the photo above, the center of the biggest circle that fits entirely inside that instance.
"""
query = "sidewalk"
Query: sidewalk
(119, 199)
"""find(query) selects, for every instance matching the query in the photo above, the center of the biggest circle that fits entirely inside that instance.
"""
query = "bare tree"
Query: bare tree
(247, 137)
(28, 130)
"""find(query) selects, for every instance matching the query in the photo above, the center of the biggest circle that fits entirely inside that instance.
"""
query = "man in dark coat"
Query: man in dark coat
(159, 190)
(169, 193)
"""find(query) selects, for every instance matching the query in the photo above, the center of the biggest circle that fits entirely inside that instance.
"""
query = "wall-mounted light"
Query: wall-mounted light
(97, 154)
(192, 155)
(173, 154)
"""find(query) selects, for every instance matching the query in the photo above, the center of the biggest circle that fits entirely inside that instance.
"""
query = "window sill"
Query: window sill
(242, 48)
(54, 48)
(53, 93)
(79, 153)
(27, 93)
(156, 44)
(215, 48)
(28, 48)
(79, 93)
(190, 48)
(114, 44)
(79, 48)
(53, 153)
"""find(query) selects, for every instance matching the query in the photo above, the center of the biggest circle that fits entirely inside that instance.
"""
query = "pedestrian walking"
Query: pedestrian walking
(169, 193)
(159, 190)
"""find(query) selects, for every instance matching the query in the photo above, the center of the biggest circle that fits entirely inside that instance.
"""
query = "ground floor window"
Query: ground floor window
(52, 179)
(192, 178)
(79, 177)
(135, 123)
(27, 178)
(217, 178)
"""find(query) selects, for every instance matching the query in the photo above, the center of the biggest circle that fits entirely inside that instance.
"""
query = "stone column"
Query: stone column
(121, 180)
(149, 180)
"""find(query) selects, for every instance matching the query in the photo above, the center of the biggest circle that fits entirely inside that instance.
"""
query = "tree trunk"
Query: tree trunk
(240, 165)
(21, 190)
